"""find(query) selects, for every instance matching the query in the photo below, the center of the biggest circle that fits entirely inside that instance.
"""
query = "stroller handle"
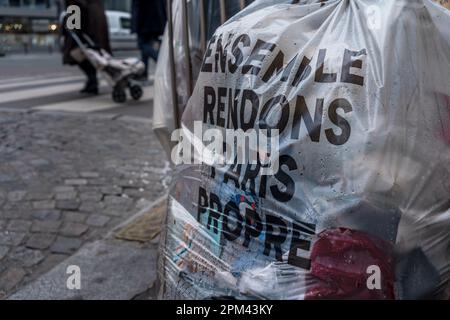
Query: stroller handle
(82, 39)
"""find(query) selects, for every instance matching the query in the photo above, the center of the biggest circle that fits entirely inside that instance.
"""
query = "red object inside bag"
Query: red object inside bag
(340, 259)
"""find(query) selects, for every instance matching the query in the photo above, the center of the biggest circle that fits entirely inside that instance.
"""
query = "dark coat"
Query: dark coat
(93, 23)
(148, 17)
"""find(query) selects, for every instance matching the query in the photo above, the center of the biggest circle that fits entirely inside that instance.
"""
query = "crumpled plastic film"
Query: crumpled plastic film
(163, 118)
(360, 204)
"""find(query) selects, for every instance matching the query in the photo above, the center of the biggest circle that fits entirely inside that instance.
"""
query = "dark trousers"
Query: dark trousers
(90, 72)
(146, 43)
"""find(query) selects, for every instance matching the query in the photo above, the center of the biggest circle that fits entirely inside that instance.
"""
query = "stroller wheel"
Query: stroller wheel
(136, 91)
(119, 95)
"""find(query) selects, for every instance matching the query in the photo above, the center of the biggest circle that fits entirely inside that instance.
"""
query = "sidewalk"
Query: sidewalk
(65, 181)
(121, 266)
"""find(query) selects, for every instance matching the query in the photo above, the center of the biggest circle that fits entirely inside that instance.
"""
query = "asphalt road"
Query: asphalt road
(41, 82)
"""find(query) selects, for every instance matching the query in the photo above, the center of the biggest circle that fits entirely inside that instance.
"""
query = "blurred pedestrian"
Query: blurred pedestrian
(148, 22)
(26, 44)
(95, 25)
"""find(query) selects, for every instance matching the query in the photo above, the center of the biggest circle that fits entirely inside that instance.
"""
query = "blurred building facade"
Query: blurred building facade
(32, 25)
(27, 25)
(119, 5)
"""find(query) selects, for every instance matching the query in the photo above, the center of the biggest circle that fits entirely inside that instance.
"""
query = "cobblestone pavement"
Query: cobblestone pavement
(64, 181)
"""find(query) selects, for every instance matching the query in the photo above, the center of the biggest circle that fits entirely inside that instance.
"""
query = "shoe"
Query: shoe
(90, 88)
(141, 77)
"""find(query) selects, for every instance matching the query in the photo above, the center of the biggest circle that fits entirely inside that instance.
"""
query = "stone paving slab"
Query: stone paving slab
(65, 181)
(109, 269)
(107, 261)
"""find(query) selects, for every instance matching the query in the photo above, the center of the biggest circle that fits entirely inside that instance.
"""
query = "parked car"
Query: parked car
(120, 30)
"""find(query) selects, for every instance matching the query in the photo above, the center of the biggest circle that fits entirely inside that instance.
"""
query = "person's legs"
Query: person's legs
(91, 74)
(146, 43)
(154, 52)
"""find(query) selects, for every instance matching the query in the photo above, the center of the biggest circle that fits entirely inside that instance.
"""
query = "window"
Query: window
(14, 3)
(125, 23)
(41, 3)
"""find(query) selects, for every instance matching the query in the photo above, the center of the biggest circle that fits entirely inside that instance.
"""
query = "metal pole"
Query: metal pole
(173, 79)
(186, 46)
(223, 13)
(202, 25)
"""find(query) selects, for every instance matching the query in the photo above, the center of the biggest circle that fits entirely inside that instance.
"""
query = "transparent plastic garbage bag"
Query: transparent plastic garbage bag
(360, 204)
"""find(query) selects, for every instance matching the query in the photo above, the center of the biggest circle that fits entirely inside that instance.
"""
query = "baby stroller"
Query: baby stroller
(121, 74)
